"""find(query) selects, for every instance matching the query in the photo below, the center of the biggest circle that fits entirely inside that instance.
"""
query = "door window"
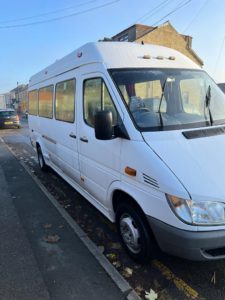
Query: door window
(45, 97)
(33, 102)
(64, 101)
(97, 98)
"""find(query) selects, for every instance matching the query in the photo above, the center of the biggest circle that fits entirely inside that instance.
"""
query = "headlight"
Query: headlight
(199, 213)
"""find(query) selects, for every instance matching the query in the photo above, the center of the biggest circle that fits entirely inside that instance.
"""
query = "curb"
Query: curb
(117, 278)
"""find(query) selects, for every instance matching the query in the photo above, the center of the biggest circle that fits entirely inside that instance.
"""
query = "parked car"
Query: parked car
(9, 118)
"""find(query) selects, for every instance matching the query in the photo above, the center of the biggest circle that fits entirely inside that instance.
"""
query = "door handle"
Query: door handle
(72, 135)
(84, 139)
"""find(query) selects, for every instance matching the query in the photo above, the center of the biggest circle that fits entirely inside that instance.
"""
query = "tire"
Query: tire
(41, 160)
(135, 233)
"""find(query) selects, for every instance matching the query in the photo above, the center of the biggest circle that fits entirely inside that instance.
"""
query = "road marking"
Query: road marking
(179, 283)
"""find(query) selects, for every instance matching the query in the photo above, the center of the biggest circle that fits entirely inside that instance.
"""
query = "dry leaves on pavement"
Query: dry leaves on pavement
(51, 238)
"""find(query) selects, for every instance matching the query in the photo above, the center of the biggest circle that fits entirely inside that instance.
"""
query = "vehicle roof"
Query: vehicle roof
(117, 55)
(6, 109)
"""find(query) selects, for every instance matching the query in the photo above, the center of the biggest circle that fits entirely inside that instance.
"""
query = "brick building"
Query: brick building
(19, 98)
(164, 35)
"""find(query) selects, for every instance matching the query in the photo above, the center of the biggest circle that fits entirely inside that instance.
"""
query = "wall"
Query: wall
(166, 35)
(2, 102)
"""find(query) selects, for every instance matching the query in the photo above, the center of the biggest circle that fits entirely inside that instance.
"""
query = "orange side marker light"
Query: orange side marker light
(130, 171)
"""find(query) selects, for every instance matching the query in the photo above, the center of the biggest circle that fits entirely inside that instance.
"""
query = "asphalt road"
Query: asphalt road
(169, 277)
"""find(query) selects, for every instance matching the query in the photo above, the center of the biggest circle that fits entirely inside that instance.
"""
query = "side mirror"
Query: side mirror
(103, 125)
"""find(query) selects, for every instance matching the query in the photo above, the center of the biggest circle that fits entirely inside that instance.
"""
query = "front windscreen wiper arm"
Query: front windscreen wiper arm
(207, 103)
(160, 103)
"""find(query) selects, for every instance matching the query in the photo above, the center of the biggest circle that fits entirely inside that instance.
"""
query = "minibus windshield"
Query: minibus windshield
(167, 99)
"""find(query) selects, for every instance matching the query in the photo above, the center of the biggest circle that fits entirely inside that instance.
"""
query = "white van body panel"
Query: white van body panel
(165, 161)
(116, 55)
(199, 163)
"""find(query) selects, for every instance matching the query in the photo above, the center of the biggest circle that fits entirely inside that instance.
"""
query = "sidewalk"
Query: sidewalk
(31, 267)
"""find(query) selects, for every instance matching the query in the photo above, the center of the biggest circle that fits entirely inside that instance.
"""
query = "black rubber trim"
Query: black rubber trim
(195, 134)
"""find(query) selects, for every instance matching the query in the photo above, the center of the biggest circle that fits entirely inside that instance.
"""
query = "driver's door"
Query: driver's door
(99, 160)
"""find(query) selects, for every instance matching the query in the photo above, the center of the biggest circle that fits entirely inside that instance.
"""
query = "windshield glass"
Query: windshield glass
(7, 113)
(166, 99)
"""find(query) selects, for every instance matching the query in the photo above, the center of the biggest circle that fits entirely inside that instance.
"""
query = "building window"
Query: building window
(45, 97)
(97, 98)
(65, 101)
(33, 102)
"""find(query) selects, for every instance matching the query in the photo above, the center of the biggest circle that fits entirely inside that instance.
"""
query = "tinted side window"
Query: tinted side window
(33, 102)
(64, 101)
(45, 97)
(96, 98)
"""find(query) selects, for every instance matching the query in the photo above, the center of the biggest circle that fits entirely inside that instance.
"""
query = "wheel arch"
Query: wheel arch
(127, 194)
(120, 196)
(39, 143)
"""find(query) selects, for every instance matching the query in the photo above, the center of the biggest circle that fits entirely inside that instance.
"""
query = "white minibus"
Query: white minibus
(139, 131)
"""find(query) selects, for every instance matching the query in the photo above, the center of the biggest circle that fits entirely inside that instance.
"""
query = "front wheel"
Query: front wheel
(41, 160)
(134, 233)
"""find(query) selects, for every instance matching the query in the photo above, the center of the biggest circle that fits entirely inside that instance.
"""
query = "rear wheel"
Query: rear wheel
(134, 233)
(41, 160)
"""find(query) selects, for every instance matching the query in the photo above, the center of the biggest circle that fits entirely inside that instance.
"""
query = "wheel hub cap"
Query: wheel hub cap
(130, 234)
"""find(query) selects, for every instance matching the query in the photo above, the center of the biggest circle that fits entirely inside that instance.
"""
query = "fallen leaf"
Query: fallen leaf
(139, 289)
(46, 226)
(152, 295)
(127, 272)
(117, 264)
(51, 238)
(61, 226)
(111, 256)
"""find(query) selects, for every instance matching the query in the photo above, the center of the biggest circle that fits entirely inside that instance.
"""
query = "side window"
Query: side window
(33, 102)
(96, 98)
(65, 101)
(45, 97)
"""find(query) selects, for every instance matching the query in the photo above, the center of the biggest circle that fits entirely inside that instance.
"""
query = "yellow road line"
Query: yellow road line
(179, 283)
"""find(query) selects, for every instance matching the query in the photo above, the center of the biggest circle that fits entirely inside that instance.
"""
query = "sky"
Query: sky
(34, 34)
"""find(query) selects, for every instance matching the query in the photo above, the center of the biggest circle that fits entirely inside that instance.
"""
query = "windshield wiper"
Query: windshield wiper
(160, 103)
(207, 103)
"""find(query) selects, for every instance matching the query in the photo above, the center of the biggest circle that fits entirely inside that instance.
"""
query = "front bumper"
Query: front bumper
(192, 245)
(8, 124)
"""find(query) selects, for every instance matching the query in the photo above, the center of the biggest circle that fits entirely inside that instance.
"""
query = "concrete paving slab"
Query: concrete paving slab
(20, 277)
(68, 269)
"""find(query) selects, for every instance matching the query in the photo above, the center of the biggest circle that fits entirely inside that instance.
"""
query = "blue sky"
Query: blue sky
(26, 50)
